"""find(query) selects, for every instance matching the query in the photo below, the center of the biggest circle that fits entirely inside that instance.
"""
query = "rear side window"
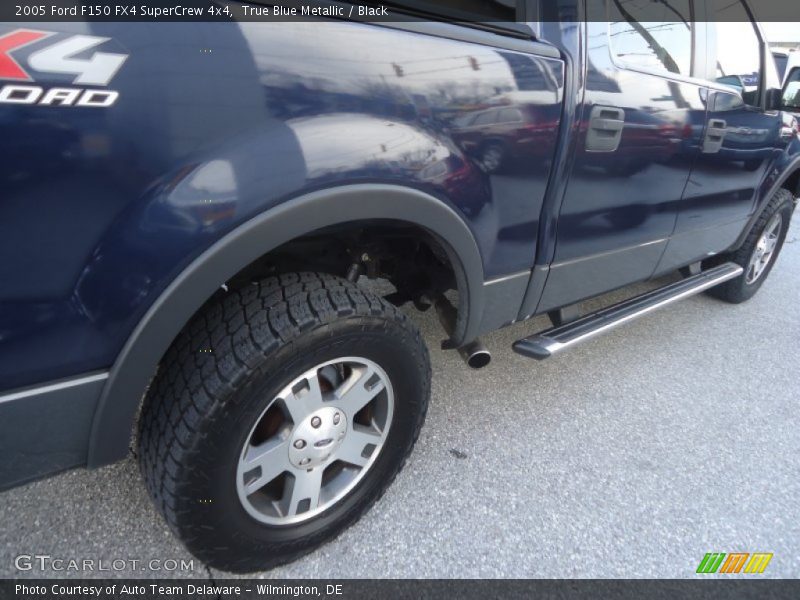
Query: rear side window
(735, 49)
(486, 118)
(656, 36)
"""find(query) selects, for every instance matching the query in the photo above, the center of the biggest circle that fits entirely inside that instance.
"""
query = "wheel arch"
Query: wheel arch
(133, 368)
(789, 179)
(792, 182)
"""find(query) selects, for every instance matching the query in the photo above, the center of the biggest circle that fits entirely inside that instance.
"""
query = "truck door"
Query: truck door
(640, 129)
(739, 142)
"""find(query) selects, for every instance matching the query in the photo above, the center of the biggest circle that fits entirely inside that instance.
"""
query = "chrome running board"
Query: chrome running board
(545, 344)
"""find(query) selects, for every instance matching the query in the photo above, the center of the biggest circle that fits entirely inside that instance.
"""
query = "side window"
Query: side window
(735, 49)
(510, 115)
(487, 118)
(655, 36)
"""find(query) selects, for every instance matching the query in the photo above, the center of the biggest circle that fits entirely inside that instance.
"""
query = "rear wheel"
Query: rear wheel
(279, 416)
(758, 253)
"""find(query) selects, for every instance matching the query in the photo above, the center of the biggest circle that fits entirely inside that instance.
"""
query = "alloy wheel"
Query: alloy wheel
(315, 441)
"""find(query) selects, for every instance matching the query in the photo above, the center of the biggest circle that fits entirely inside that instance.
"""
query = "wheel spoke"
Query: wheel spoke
(306, 486)
(352, 449)
(752, 267)
(304, 400)
(269, 460)
(353, 394)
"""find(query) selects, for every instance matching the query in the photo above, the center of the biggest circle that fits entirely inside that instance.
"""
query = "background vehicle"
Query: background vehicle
(199, 227)
(791, 91)
(785, 62)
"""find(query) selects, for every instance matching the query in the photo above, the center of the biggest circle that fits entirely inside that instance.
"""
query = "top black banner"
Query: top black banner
(470, 11)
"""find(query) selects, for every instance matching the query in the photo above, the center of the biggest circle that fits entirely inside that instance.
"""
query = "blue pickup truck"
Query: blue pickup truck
(191, 211)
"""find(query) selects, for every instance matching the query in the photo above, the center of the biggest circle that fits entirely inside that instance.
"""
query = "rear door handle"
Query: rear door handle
(606, 124)
(715, 136)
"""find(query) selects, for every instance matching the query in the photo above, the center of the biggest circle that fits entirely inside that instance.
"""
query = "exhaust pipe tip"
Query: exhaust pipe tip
(475, 355)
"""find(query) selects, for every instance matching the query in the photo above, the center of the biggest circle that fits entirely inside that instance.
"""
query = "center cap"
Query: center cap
(317, 437)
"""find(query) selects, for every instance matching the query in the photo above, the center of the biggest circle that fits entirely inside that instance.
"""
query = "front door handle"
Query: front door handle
(606, 124)
(715, 136)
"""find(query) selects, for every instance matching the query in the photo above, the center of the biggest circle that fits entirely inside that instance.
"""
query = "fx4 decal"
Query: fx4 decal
(9, 68)
(58, 57)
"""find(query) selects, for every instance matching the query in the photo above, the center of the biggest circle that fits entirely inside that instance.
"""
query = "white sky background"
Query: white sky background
(782, 32)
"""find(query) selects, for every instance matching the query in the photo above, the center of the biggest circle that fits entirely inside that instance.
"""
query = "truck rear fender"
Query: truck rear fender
(138, 360)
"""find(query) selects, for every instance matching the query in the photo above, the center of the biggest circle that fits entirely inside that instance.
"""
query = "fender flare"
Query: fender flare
(790, 169)
(137, 361)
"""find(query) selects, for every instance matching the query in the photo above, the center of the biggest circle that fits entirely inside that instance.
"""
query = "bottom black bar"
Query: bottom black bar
(247, 589)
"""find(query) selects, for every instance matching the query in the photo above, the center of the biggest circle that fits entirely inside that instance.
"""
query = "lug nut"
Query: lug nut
(316, 422)
(336, 418)
(305, 461)
(300, 444)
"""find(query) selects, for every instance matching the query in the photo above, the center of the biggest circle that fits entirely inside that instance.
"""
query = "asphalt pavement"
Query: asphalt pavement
(632, 455)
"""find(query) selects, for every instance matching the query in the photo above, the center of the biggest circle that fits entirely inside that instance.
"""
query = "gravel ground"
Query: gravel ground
(630, 456)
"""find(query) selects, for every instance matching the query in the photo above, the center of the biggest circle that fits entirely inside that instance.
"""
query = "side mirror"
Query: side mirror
(774, 99)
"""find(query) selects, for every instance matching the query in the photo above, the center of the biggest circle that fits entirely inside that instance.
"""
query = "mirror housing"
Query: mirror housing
(773, 99)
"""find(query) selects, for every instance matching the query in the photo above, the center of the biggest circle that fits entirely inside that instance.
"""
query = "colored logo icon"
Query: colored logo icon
(736, 562)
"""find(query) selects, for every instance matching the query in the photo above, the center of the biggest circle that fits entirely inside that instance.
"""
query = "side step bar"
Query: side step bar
(545, 344)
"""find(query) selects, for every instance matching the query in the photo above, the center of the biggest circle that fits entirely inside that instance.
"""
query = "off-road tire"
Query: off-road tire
(218, 376)
(738, 290)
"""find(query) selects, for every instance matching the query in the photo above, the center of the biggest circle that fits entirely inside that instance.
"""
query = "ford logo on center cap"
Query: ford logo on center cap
(323, 443)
